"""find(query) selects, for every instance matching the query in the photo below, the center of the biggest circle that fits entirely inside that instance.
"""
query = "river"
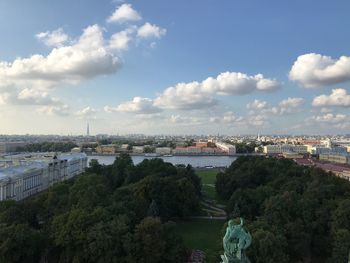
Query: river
(195, 161)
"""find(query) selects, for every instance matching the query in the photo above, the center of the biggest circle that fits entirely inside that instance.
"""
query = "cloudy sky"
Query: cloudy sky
(174, 67)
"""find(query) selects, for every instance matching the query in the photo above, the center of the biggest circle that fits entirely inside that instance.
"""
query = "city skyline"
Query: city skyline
(174, 68)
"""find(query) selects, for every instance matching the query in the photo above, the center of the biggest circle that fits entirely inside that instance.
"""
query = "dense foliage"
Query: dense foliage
(294, 213)
(115, 213)
(48, 147)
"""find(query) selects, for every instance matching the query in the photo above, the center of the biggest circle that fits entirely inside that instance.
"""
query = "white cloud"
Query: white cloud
(338, 97)
(237, 83)
(86, 113)
(290, 105)
(148, 30)
(330, 118)
(257, 105)
(314, 70)
(138, 105)
(185, 120)
(85, 59)
(286, 106)
(326, 110)
(120, 41)
(56, 38)
(185, 96)
(27, 97)
(230, 117)
(199, 95)
(214, 119)
(60, 110)
(149, 116)
(124, 13)
(257, 120)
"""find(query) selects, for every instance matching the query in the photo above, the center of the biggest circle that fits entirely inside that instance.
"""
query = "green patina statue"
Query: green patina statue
(235, 241)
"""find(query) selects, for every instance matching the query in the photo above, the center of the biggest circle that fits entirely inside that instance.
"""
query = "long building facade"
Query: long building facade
(28, 177)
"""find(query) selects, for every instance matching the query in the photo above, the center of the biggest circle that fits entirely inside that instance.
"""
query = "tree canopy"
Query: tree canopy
(294, 213)
(113, 213)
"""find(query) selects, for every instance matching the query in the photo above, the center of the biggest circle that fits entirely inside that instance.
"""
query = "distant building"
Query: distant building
(201, 144)
(341, 158)
(208, 150)
(107, 149)
(285, 148)
(9, 147)
(180, 151)
(163, 150)
(30, 176)
(194, 150)
(138, 149)
(76, 150)
(226, 148)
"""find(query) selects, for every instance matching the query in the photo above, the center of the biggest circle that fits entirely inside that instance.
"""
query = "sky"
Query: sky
(174, 67)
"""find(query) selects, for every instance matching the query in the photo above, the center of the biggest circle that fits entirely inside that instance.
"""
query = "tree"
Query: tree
(149, 242)
(94, 166)
(268, 248)
(20, 243)
(341, 246)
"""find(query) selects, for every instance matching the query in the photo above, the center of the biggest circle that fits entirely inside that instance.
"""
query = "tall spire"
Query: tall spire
(88, 130)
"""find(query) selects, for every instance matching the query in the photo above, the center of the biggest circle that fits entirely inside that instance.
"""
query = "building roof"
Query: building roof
(14, 171)
(36, 162)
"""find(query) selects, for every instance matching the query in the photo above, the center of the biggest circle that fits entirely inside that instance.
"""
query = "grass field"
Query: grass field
(210, 191)
(208, 176)
(208, 182)
(205, 235)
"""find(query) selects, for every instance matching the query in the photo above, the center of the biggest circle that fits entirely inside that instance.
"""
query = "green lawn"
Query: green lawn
(210, 191)
(205, 235)
(208, 176)
(208, 182)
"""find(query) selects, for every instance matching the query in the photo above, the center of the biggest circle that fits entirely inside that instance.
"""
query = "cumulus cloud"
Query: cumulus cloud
(54, 38)
(330, 118)
(148, 30)
(86, 113)
(315, 70)
(87, 58)
(286, 106)
(230, 117)
(290, 105)
(214, 119)
(185, 120)
(138, 105)
(338, 97)
(120, 41)
(257, 105)
(27, 97)
(185, 96)
(124, 13)
(326, 110)
(60, 110)
(236, 83)
(198, 95)
(257, 120)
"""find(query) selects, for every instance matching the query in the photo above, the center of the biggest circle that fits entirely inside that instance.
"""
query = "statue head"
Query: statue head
(235, 222)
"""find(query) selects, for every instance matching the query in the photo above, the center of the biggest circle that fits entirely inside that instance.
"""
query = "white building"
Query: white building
(21, 180)
(284, 148)
(227, 148)
(163, 150)
(138, 149)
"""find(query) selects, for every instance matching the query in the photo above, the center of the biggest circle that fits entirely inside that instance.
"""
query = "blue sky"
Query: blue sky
(143, 67)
